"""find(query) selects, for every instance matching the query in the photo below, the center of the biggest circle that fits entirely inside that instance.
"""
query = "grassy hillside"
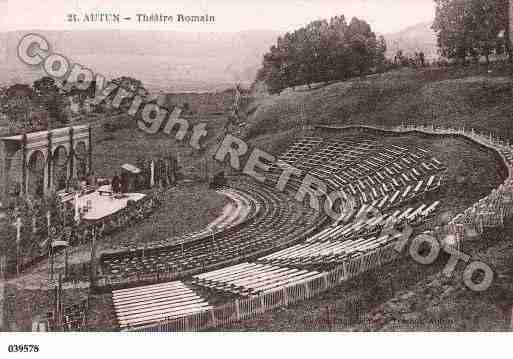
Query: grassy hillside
(478, 97)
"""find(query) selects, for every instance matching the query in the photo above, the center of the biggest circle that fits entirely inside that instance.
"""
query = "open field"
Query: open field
(185, 208)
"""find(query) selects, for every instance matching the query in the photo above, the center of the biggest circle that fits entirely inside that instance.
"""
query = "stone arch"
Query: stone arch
(13, 176)
(58, 144)
(36, 161)
(60, 168)
(81, 158)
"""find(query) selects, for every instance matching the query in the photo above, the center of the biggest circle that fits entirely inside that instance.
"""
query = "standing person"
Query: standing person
(115, 184)
(91, 179)
(422, 58)
(124, 183)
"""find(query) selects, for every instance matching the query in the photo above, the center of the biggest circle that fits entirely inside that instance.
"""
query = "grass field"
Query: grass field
(185, 209)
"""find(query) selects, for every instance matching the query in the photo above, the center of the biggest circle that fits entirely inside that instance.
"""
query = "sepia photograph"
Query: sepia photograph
(289, 167)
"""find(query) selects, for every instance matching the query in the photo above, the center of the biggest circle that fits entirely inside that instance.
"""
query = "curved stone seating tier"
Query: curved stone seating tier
(252, 278)
(153, 303)
(363, 168)
(337, 243)
(330, 252)
(278, 224)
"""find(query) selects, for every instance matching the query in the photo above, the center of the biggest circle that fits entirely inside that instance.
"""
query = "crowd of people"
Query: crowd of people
(120, 183)
(418, 59)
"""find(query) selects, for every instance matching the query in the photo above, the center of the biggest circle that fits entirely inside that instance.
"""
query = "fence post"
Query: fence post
(237, 309)
(325, 281)
(187, 324)
(344, 272)
(307, 289)
(213, 318)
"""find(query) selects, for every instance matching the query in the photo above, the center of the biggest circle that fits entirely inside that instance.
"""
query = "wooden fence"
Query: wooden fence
(252, 306)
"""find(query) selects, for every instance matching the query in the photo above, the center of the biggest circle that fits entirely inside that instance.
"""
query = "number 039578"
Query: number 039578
(23, 348)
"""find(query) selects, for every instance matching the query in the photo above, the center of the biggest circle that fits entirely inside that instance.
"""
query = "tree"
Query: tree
(16, 101)
(380, 51)
(49, 95)
(450, 28)
(502, 16)
(131, 85)
(322, 51)
(45, 87)
(472, 28)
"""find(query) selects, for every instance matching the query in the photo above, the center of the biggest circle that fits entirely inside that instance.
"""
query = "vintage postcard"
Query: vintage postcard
(258, 166)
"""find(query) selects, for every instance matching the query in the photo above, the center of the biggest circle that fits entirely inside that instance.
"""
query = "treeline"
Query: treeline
(472, 29)
(322, 51)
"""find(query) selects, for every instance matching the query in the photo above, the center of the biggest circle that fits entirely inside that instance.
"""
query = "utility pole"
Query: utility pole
(213, 230)
(66, 260)
(92, 269)
(18, 244)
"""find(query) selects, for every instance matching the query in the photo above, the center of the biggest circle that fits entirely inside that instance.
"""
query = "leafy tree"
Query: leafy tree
(16, 101)
(131, 85)
(45, 87)
(322, 51)
(450, 28)
(48, 94)
(502, 11)
(472, 28)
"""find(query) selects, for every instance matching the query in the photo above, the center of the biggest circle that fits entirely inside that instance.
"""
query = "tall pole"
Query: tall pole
(92, 273)
(90, 151)
(66, 259)
(59, 301)
(213, 229)
(152, 173)
(48, 222)
(71, 160)
(49, 165)
(24, 165)
(18, 242)
(50, 255)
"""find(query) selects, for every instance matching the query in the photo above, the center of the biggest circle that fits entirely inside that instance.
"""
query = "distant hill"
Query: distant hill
(171, 61)
(164, 60)
(418, 37)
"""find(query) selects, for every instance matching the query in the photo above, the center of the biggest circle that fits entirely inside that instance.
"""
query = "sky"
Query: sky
(385, 16)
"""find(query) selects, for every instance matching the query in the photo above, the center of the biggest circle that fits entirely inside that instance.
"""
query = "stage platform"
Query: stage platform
(105, 205)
